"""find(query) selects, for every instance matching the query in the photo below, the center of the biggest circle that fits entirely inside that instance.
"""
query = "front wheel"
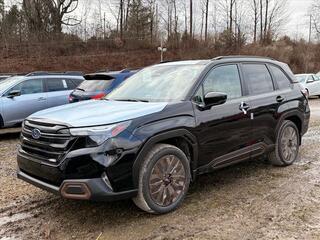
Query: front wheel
(164, 179)
(287, 145)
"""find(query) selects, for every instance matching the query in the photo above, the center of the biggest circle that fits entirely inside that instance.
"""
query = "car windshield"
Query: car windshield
(301, 78)
(4, 84)
(94, 85)
(159, 83)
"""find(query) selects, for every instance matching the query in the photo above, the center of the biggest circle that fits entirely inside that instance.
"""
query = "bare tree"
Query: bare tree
(207, 19)
(255, 8)
(315, 15)
(191, 19)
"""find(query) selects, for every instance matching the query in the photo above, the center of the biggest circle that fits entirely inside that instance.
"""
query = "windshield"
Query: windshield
(301, 78)
(158, 83)
(4, 84)
(94, 85)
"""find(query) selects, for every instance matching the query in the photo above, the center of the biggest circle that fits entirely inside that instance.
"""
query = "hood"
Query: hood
(93, 112)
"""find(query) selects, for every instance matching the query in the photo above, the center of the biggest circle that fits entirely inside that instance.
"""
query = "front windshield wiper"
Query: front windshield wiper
(131, 100)
(81, 89)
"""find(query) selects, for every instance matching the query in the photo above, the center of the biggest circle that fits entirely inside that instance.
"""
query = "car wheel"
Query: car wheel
(287, 145)
(164, 179)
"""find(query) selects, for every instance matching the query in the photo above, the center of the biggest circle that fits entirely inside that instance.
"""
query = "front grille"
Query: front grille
(53, 144)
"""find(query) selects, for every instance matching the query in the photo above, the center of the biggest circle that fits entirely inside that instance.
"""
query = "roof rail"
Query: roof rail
(41, 73)
(240, 56)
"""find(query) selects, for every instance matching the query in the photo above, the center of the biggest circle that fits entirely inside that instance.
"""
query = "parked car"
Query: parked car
(4, 76)
(98, 85)
(21, 96)
(311, 83)
(151, 136)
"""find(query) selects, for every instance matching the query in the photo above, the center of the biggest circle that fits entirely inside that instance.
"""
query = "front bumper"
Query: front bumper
(93, 189)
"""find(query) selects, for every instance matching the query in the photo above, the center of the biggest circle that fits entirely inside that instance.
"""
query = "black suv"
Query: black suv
(151, 136)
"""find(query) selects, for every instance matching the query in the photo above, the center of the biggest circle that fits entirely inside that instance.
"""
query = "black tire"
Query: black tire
(278, 157)
(145, 199)
(1, 122)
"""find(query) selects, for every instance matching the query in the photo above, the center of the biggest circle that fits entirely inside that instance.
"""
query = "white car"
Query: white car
(311, 82)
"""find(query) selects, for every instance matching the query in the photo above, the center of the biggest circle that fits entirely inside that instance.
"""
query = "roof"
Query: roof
(221, 58)
(186, 62)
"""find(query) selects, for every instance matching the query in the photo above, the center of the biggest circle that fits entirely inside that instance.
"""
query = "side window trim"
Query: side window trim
(237, 64)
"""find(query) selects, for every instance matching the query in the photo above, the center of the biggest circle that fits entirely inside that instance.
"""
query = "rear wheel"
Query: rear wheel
(164, 179)
(287, 145)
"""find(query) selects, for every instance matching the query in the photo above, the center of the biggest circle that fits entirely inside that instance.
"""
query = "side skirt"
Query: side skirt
(235, 157)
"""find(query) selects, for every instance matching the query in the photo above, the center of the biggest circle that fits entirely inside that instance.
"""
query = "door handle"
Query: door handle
(280, 99)
(244, 107)
(41, 99)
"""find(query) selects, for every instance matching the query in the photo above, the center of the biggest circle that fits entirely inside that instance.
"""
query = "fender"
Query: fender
(188, 136)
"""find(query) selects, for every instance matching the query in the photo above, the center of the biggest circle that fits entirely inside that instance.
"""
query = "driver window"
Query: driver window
(28, 87)
(224, 79)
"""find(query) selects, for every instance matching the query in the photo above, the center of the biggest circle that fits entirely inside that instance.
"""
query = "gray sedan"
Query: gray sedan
(20, 96)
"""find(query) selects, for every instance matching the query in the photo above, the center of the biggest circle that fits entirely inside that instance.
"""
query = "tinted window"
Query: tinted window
(224, 79)
(29, 87)
(258, 78)
(76, 81)
(95, 85)
(280, 78)
(71, 84)
(56, 85)
(310, 78)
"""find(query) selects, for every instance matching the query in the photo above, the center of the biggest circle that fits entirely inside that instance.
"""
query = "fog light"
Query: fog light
(72, 190)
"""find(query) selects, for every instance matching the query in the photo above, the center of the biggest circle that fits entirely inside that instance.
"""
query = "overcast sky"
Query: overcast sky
(298, 24)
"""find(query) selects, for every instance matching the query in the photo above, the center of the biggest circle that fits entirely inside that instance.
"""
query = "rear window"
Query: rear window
(95, 85)
(281, 79)
(54, 84)
(258, 78)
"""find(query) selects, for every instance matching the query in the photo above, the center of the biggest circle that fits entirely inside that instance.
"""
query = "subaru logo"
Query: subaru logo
(36, 134)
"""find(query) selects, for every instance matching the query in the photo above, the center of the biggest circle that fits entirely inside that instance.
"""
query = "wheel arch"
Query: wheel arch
(296, 118)
(181, 138)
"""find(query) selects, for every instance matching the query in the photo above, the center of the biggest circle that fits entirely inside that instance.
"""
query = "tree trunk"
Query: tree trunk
(191, 19)
(207, 16)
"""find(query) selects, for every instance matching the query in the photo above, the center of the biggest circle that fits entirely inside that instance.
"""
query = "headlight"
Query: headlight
(100, 134)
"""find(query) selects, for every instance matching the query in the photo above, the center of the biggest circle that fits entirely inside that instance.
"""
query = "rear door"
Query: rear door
(265, 102)
(58, 91)
(32, 99)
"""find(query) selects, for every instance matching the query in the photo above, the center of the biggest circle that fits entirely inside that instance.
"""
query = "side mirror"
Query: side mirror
(215, 98)
(14, 93)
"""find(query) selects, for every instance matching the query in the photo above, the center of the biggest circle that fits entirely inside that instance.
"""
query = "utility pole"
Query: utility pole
(104, 26)
(310, 28)
(162, 50)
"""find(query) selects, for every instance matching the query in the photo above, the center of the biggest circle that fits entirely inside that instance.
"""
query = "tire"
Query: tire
(286, 153)
(160, 200)
(1, 122)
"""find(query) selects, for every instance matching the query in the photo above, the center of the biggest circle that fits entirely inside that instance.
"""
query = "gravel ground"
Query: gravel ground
(252, 200)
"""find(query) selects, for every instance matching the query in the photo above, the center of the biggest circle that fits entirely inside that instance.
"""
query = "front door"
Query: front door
(32, 99)
(224, 131)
